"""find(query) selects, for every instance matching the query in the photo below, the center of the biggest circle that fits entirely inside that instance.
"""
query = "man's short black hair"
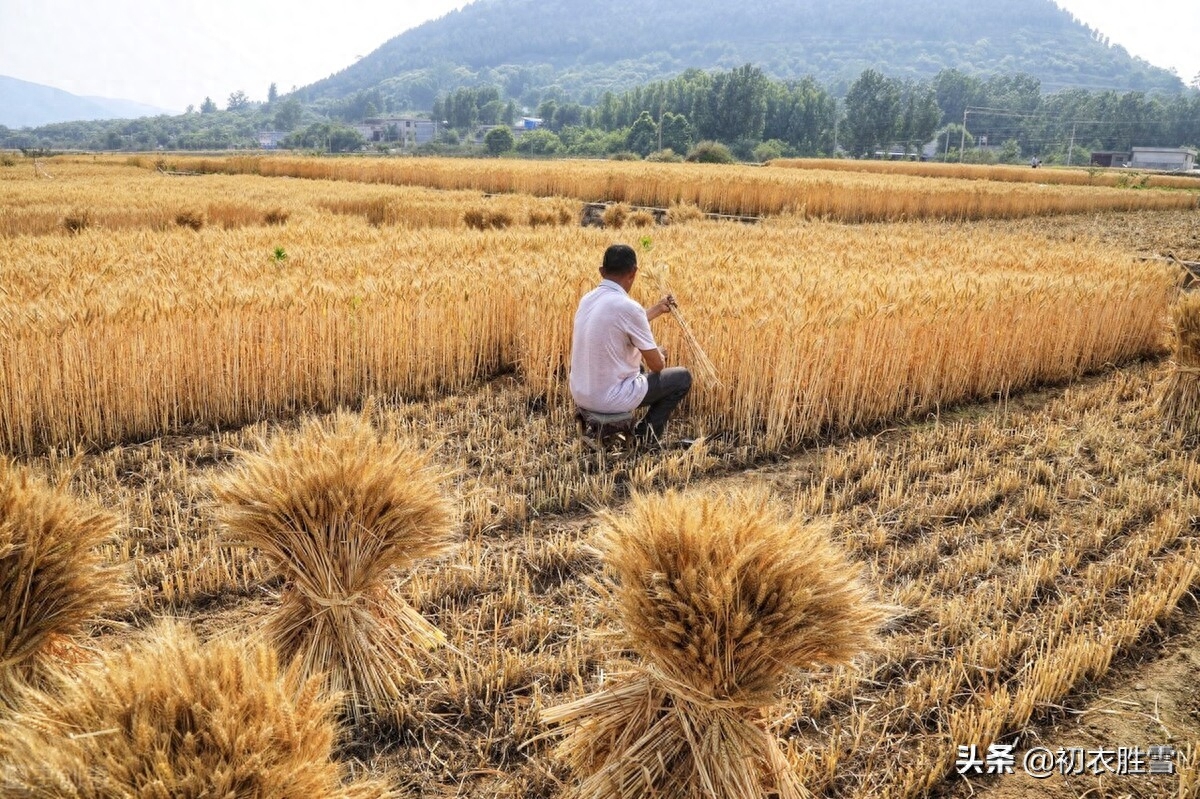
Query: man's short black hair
(619, 260)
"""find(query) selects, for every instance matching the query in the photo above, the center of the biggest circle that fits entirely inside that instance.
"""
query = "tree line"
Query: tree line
(1005, 116)
(742, 110)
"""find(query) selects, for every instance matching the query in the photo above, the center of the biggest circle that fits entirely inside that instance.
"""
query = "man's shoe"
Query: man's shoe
(646, 440)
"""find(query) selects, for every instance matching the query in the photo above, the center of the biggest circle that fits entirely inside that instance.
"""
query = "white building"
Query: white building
(404, 131)
(270, 139)
(1173, 159)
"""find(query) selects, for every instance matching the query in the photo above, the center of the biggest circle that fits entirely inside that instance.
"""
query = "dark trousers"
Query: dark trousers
(666, 389)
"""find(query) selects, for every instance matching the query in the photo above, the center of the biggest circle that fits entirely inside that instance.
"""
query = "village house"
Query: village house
(1173, 159)
(404, 131)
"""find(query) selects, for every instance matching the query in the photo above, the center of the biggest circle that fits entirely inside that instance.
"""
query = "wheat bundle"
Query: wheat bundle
(171, 717)
(704, 367)
(1180, 401)
(54, 578)
(722, 596)
(334, 508)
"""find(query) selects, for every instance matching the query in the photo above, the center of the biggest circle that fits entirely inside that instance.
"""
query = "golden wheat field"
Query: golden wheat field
(1005, 173)
(844, 196)
(298, 451)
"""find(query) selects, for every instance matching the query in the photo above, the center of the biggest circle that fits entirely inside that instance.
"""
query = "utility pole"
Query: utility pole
(835, 126)
(962, 143)
(1071, 148)
(661, 99)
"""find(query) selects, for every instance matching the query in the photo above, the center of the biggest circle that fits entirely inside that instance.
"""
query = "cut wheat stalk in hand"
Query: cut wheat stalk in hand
(704, 366)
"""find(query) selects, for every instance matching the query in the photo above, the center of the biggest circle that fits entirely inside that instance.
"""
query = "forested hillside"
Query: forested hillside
(577, 52)
(660, 77)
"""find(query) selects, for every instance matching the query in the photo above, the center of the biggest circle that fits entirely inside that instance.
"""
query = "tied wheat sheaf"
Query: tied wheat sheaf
(55, 580)
(335, 508)
(169, 717)
(1180, 402)
(722, 596)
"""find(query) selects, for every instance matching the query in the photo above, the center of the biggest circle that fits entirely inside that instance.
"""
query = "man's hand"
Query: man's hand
(661, 307)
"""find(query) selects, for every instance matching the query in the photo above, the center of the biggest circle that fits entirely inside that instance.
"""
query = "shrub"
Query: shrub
(710, 152)
(171, 717)
(540, 142)
(666, 156)
(499, 140)
(768, 150)
(624, 155)
(722, 597)
(333, 508)
(55, 581)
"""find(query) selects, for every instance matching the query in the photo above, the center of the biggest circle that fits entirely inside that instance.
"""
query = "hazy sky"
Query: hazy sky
(172, 53)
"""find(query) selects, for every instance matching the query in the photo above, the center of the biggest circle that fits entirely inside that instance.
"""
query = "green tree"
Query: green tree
(872, 112)
(735, 107)
(546, 111)
(567, 114)
(643, 136)
(676, 132)
(768, 150)
(579, 140)
(208, 106)
(288, 115)
(802, 115)
(272, 93)
(492, 113)
(331, 136)
(919, 117)
(499, 140)
(955, 91)
(238, 100)
(537, 142)
(1010, 152)
(459, 109)
(949, 138)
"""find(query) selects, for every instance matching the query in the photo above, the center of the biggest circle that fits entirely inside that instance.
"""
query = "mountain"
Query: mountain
(531, 48)
(25, 104)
